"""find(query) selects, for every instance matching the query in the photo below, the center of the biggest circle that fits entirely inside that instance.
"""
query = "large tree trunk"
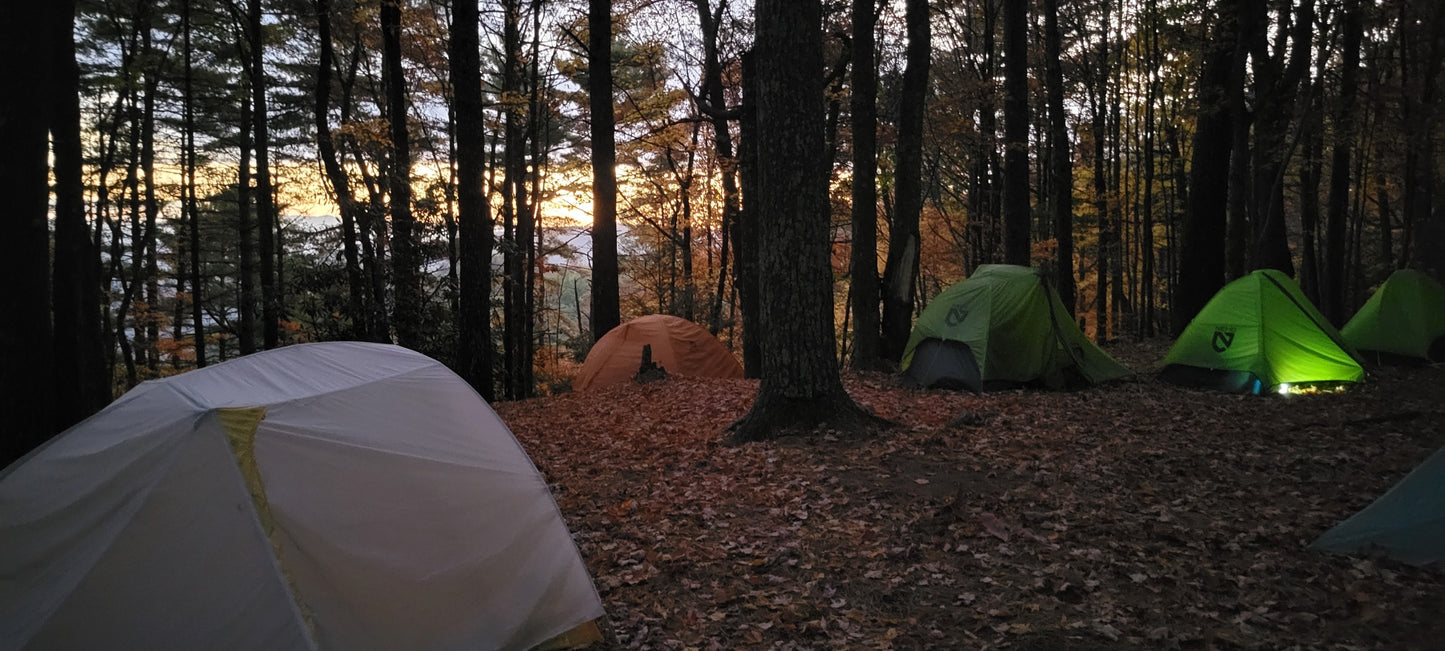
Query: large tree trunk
(1201, 268)
(863, 263)
(800, 387)
(1016, 215)
(81, 384)
(1061, 162)
(1277, 99)
(901, 268)
(1333, 281)
(25, 71)
(606, 301)
(405, 257)
(474, 216)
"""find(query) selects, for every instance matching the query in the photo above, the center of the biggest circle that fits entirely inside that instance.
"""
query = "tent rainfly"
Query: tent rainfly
(679, 346)
(1404, 318)
(1257, 334)
(1003, 327)
(334, 496)
(1406, 524)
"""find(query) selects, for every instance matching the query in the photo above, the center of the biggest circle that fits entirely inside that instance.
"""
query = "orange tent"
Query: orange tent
(678, 345)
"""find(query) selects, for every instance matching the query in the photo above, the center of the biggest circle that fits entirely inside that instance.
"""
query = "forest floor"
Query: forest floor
(1135, 515)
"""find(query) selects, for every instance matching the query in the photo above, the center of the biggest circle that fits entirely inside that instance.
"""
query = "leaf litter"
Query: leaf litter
(1137, 514)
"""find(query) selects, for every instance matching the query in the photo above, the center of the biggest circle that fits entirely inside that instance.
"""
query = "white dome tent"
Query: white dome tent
(335, 496)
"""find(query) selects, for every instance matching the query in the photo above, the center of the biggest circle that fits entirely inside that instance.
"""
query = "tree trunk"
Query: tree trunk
(1201, 268)
(901, 267)
(265, 206)
(246, 268)
(606, 300)
(1061, 200)
(1016, 134)
(405, 256)
(81, 384)
(337, 177)
(26, 58)
(863, 262)
(746, 227)
(474, 215)
(1277, 98)
(712, 90)
(800, 387)
(1332, 285)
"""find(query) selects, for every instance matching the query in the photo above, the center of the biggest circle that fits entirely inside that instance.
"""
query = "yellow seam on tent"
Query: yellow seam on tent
(240, 424)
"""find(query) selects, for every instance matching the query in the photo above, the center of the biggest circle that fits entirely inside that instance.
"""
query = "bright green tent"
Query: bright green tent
(1405, 317)
(1406, 524)
(1003, 327)
(1257, 334)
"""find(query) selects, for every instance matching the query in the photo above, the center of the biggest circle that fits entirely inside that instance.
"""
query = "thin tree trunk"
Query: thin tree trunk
(1333, 279)
(606, 300)
(1061, 200)
(265, 206)
(746, 227)
(405, 256)
(901, 267)
(863, 263)
(1016, 133)
(337, 177)
(474, 342)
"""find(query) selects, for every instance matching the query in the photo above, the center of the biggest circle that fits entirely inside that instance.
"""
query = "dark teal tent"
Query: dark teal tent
(1406, 524)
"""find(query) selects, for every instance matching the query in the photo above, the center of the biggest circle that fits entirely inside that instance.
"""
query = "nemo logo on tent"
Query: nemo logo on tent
(1223, 339)
(956, 315)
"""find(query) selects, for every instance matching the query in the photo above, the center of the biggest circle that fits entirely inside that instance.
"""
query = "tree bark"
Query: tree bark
(800, 388)
(474, 217)
(81, 384)
(1016, 134)
(746, 226)
(336, 175)
(606, 300)
(25, 70)
(1201, 269)
(405, 258)
(265, 206)
(1332, 286)
(863, 262)
(901, 267)
(1061, 162)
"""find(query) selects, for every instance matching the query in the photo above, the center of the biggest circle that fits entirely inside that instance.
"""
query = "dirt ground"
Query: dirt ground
(1134, 515)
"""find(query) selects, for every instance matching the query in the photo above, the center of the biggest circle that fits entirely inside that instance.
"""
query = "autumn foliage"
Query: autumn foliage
(1133, 515)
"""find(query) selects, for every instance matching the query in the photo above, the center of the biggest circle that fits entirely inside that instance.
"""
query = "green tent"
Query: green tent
(1003, 327)
(1260, 333)
(1406, 524)
(1404, 318)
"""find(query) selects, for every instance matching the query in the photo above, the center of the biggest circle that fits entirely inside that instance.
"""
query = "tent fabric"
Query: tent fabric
(1261, 325)
(1011, 318)
(945, 364)
(680, 346)
(337, 495)
(1404, 317)
(1407, 523)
